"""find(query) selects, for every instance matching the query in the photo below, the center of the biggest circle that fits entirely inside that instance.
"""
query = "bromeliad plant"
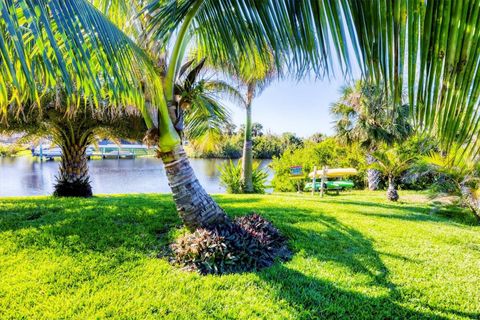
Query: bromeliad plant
(249, 243)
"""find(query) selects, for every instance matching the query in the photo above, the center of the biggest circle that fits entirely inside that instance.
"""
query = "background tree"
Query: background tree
(257, 129)
(317, 137)
(367, 116)
(229, 129)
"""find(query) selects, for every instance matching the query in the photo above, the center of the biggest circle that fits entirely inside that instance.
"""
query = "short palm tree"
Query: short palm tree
(365, 115)
(391, 164)
(73, 132)
(428, 47)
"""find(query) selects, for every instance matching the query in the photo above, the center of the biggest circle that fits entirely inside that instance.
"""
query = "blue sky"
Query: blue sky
(299, 107)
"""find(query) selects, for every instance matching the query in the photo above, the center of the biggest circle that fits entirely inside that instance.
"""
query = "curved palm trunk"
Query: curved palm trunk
(73, 179)
(373, 176)
(392, 193)
(196, 208)
(247, 160)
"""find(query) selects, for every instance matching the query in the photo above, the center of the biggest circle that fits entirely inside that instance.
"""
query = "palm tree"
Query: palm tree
(391, 164)
(366, 116)
(253, 75)
(423, 46)
(73, 132)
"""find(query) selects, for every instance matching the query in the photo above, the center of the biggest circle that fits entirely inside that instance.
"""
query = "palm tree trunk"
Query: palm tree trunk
(373, 176)
(472, 202)
(392, 193)
(247, 160)
(73, 179)
(196, 208)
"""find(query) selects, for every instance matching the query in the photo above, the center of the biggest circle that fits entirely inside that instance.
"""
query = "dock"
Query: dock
(104, 151)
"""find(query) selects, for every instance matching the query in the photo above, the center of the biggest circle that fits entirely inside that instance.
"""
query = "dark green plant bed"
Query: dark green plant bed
(249, 243)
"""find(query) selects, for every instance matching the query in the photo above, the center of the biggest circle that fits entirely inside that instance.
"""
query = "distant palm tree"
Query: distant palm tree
(367, 116)
(254, 75)
(391, 164)
(197, 111)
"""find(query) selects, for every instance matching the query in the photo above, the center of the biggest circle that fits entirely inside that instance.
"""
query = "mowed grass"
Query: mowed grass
(357, 256)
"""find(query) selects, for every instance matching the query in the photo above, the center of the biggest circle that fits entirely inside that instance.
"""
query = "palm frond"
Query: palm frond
(303, 34)
(68, 44)
(432, 48)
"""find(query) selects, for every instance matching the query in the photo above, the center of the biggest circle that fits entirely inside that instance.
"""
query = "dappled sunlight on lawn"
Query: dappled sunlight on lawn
(356, 256)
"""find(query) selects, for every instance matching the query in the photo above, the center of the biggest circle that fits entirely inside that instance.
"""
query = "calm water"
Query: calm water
(26, 176)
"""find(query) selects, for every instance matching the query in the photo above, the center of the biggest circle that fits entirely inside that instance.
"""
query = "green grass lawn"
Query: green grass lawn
(356, 256)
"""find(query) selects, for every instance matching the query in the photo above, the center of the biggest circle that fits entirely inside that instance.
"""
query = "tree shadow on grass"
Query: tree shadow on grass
(140, 225)
(392, 206)
(323, 240)
(314, 298)
(133, 223)
(415, 213)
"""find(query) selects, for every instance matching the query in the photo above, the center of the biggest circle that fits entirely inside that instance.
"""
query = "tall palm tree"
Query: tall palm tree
(422, 45)
(367, 116)
(253, 74)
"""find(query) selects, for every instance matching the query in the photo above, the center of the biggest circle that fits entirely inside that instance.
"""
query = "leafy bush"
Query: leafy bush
(231, 177)
(10, 150)
(249, 243)
(417, 178)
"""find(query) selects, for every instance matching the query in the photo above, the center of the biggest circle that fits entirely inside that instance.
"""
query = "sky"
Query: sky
(291, 106)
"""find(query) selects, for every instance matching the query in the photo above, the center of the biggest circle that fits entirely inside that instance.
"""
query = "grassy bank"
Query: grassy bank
(356, 256)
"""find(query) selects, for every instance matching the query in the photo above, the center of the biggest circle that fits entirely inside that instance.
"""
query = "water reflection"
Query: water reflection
(27, 176)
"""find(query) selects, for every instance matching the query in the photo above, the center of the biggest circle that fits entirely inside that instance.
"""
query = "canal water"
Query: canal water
(25, 176)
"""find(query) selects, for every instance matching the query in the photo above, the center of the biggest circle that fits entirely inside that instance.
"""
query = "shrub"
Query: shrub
(249, 243)
(231, 177)
(10, 150)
